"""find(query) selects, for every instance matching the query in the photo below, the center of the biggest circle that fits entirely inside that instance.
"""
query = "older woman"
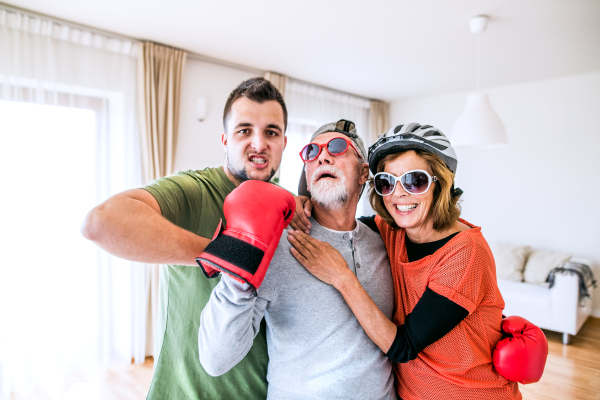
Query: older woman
(448, 309)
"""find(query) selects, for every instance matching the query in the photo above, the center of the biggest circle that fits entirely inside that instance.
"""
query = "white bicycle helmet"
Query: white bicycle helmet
(412, 136)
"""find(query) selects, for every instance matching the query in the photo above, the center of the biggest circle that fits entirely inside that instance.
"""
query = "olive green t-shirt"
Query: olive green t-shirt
(193, 200)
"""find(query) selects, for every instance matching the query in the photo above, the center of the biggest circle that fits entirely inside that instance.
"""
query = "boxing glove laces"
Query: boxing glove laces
(256, 213)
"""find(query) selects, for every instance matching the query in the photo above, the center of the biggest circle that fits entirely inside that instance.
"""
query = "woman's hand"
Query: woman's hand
(328, 265)
(319, 258)
(300, 221)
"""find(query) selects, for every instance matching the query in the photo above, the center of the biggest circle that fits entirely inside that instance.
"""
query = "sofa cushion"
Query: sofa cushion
(510, 261)
(540, 263)
(532, 302)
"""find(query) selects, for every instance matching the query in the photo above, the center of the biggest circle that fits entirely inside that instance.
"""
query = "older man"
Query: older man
(317, 348)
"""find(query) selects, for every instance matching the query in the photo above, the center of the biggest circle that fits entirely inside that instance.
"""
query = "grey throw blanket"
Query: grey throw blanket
(583, 271)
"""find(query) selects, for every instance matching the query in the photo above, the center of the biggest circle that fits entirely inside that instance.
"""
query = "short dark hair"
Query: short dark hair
(256, 89)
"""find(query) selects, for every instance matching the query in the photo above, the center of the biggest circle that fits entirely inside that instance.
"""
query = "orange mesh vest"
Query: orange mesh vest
(459, 365)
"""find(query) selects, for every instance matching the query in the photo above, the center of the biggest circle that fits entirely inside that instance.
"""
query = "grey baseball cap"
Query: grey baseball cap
(344, 127)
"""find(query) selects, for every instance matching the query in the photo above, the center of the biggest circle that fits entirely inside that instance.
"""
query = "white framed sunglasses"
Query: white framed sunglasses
(416, 181)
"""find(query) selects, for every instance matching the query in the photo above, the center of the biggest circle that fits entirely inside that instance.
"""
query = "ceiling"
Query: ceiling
(379, 49)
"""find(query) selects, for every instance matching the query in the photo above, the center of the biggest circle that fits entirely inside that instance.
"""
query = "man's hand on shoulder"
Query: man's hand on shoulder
(303, 210)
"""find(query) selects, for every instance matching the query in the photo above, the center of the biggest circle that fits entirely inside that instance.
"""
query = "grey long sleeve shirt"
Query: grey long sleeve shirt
(317, 348)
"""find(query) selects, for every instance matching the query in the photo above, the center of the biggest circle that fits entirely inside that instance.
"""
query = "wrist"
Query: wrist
(345, 281)
(195, 247)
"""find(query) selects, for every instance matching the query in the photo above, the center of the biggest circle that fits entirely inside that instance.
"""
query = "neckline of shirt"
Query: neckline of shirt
(351, 233)
(473, 230)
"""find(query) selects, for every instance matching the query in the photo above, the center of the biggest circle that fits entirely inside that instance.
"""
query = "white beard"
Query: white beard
(331, 196)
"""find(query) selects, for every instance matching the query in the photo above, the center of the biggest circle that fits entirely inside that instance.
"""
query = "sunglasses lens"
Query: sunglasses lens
(415, 182)
(337, 146)
(310, 152)
(384, 184)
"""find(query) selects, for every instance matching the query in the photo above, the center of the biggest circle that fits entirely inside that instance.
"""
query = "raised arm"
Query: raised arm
(228, 325)
(130, 225)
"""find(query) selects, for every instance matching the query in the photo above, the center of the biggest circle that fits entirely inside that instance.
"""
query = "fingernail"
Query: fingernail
(307, 232)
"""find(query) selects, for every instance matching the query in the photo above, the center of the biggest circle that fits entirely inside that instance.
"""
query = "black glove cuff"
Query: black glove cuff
(236, 252)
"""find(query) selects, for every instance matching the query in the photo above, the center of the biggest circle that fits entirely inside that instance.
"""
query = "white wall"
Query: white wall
(543, 189)
(199, 143)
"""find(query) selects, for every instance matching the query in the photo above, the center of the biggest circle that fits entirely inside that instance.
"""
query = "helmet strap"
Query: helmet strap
(455, 192)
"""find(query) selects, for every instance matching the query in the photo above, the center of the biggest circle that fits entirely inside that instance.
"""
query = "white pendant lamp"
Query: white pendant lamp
(478, 125)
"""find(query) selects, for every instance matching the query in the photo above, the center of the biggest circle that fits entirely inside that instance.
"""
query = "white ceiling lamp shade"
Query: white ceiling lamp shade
(478, 124)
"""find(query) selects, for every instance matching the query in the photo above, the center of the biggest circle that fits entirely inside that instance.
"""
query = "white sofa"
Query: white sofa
(525, 293)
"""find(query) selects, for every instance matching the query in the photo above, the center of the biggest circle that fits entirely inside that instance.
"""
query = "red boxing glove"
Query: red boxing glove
(256, 214)
(521, 357)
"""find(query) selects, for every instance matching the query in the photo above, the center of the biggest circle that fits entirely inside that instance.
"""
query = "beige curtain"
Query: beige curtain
(278, 80)
(160, 70)
(379, 119)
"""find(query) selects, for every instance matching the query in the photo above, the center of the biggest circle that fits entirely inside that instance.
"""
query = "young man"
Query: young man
(171, 220)
(317, 348)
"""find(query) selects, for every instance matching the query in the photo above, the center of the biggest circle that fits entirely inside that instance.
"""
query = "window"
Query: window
(49, 184)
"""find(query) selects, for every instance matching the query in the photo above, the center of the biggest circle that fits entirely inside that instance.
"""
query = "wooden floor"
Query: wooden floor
(572, 373)
(125, 383)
